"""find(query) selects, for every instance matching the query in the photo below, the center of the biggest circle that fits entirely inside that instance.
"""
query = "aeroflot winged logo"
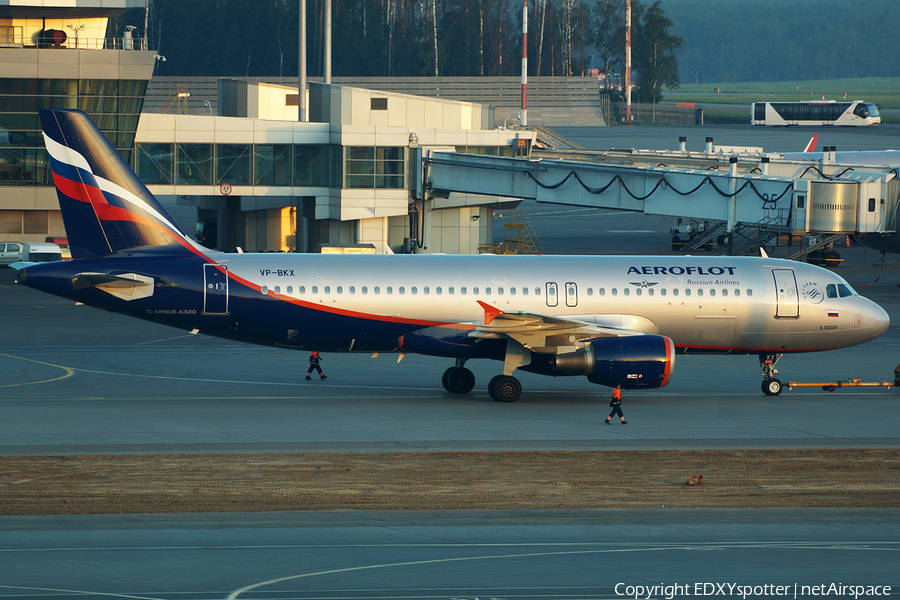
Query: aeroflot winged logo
(681, 270)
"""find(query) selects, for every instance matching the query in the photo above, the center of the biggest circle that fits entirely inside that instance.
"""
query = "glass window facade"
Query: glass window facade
(368, 167)
(272, 165)
(194, 163)
(115, 105)
(155, 162)
(233, 164)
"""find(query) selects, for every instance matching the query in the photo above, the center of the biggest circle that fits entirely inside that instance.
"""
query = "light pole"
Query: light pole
(76, 30)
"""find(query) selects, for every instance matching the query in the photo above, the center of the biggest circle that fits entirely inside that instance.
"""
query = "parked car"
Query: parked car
(10, 252)
(40, 252)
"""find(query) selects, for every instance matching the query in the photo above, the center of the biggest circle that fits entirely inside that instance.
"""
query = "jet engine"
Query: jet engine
(639, 361)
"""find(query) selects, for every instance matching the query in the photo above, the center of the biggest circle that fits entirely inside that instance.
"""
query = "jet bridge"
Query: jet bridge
(737, 189)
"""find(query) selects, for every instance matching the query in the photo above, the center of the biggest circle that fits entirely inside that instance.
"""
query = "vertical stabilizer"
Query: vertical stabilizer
(106, 208)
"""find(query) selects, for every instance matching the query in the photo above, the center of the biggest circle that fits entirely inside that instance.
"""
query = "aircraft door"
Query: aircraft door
(571, 294)
(215, 289)
(552, 294)
(787, 298)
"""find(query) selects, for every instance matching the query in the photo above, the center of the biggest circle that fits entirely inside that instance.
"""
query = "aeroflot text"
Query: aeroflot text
(670, 591)
(680, 270)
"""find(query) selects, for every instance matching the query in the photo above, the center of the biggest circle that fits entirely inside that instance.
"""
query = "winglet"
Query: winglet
(811, 146)
(490, 312)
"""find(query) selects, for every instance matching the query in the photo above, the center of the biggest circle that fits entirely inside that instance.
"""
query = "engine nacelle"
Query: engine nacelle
(639, 361)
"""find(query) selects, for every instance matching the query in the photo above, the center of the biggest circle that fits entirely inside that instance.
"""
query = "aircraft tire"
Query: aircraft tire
(771, 387)
(504, 388)
(457, 380)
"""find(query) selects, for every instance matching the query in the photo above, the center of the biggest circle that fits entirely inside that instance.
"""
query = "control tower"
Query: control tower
(62, 54)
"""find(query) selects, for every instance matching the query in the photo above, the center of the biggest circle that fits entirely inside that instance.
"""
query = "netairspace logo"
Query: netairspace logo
(671, 591)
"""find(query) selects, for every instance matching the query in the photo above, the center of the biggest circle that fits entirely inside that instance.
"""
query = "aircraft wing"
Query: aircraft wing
(544, 333)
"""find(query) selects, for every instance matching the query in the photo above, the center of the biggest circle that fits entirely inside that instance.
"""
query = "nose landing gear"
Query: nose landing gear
(771, 386)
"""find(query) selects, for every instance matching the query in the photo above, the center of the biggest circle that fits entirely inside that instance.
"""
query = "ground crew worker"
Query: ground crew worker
(616, 403)
(314, 359)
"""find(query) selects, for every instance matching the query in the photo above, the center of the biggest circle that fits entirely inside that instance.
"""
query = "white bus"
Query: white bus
(814, 113)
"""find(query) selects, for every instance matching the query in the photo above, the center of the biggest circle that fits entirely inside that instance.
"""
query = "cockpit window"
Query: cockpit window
(838, 291)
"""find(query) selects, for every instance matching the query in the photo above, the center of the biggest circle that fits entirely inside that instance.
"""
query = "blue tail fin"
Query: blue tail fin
(105, 207)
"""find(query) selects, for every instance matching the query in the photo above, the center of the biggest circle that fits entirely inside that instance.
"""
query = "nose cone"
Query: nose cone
(880, 320)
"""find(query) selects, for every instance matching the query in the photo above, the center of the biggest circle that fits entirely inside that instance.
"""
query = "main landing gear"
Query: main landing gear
(771, 386)
(460, 380)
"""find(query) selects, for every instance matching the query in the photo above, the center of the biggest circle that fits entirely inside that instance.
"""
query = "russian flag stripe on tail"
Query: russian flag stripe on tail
(105, 207)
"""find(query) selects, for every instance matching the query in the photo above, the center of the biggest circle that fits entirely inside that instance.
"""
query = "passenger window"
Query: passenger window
(475, 291)
(462, 291)
(524, 291)
(402, 290)
(512, 291)
(277, 289)
(327, 289)
(724, 292)
(352, 290)
(712, 292)
(687, 292)
(414, 290)
(264, 290)
(537, 291)
(675, 292)
(302, 289)
(638, 291)
(700, 292)
(499, 291)
(450, 291)
(426, 290)
(615, 292)
(290, 290)
(737, 293)
(390, 290)
(662, 292)
(377, 290)
(365, 290)
(602, 291)
(340, 289)
(590, 292)
(650, 291)
(487, 291)
(749, 293)
(315, 289)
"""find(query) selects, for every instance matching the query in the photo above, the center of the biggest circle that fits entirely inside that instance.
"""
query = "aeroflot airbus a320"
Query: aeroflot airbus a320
(616, 320)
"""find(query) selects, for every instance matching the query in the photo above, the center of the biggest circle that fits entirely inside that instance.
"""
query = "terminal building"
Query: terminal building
(251, 176)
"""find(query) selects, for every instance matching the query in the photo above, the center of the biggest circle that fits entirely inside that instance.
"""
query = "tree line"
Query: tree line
(415, 38)
(727, 41)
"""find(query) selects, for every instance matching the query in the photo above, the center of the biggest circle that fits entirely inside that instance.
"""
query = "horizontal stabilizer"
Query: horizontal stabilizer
(127, 286)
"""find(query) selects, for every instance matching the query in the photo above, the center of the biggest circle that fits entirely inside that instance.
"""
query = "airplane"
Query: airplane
(618, 320)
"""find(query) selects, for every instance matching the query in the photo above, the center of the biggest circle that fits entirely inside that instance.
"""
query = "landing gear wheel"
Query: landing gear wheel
(458, 380)
(504, 388)
(771, 387)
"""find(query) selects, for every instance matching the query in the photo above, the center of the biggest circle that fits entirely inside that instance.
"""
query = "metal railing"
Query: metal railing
(12, 36)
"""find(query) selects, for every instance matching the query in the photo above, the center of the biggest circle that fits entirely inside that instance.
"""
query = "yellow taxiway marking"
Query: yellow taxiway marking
(69, 372)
